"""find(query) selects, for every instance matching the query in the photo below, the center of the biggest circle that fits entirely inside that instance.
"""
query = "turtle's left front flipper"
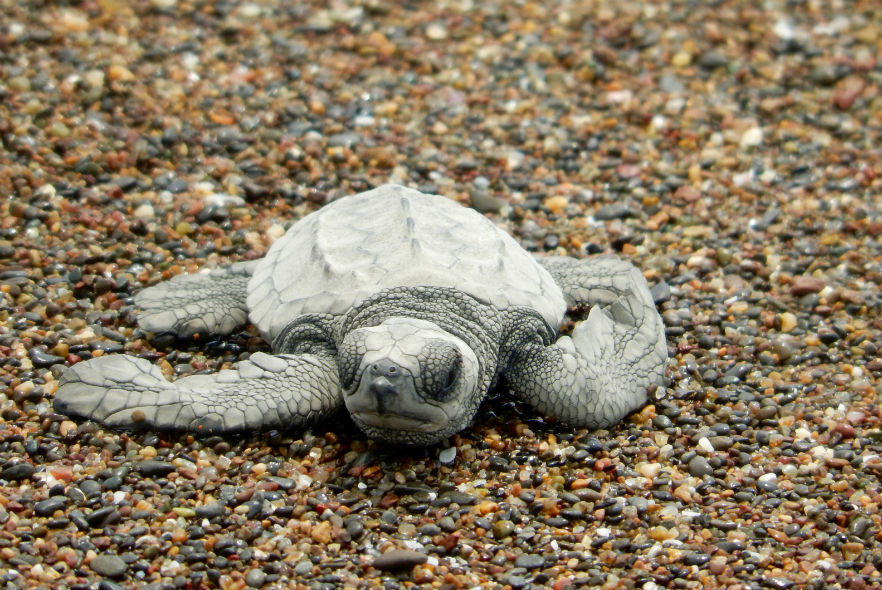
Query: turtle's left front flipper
(282, 391)
(595, 377)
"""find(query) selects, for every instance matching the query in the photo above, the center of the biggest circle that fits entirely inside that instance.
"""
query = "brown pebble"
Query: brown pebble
(803, 285)
(321, 533)
(847, 92)
(717, 565)
(852, 551)
(846, 430)
(66, 427)
(687, 193)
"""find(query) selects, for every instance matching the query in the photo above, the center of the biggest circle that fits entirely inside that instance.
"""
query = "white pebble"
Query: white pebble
(675, 105)
(447, 455)
(170, 568)
(705, 445)
(275, 231)
(144, 211)
(513, 159)
(751, 138)
(224, 200)
(436, 31)
(303, 481)
(658, 122)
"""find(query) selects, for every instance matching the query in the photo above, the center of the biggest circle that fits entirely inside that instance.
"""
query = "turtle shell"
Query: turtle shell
(388, 237)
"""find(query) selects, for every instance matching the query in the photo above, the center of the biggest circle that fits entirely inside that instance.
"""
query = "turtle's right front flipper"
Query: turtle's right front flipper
(264, 392)
(211, 302)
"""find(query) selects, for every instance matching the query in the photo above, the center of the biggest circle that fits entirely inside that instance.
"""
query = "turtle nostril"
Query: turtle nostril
(386, 369)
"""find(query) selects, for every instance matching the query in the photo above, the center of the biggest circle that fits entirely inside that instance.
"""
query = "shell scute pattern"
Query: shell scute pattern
(397, 238)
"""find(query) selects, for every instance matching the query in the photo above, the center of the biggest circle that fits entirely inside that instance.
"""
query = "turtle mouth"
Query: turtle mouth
(401, 422)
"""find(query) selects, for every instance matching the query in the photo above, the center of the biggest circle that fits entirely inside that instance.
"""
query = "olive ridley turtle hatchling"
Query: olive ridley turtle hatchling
(405, 308)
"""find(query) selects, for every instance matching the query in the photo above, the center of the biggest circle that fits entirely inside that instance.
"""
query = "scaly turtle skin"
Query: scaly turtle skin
(403, 307)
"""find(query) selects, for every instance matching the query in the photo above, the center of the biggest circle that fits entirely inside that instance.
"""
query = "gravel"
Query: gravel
(730, 149)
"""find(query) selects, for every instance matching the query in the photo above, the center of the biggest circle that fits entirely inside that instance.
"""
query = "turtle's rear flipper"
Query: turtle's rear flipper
(283, 391)
(210, 302)
(602, 372)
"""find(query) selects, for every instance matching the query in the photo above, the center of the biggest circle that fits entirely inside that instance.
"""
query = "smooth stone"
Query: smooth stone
(767, 486)
(729, 546)
(503, 528)
(210, 510)
(699, 467)
(43, 359)
(154, 468)
(447, 524)
(671, 84)
(399, 559)
(660, 292)
(111, 566)
(721, 443)
(106, 346)
(859, 526)
(102, 516)
(355, 527)
(255, 578)
(804, 285)
(529, 561)
(344, 140)
(661, 422)
(18, 472)
(303, 567)
(457, 497)
(484, 202)
(712, 59)
(446, 456)
(751, 138)
(614, 211)
(693, 558)
(90, 487)
(49, 506)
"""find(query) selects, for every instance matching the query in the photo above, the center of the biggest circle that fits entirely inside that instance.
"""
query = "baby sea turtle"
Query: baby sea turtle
(405, 308)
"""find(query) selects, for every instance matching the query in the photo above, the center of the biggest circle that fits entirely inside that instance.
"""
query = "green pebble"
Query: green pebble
(184, 511)
(503, 528)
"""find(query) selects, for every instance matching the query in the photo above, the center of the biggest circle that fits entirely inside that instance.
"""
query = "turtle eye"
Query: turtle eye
(452, 374)
(441, 370)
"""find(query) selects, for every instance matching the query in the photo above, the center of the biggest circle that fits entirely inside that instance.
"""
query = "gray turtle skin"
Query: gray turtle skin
(405, 309)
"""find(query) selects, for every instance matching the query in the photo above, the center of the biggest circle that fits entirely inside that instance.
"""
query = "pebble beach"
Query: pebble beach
(730, 149)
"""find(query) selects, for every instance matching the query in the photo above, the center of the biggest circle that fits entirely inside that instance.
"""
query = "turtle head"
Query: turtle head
(407, 381)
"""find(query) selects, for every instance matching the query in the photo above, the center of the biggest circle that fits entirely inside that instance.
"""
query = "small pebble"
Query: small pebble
(110, 566)
(751, 138)
(699, 467)
(529, 561)
(399, 559)
(154, 468)
(446, 456)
